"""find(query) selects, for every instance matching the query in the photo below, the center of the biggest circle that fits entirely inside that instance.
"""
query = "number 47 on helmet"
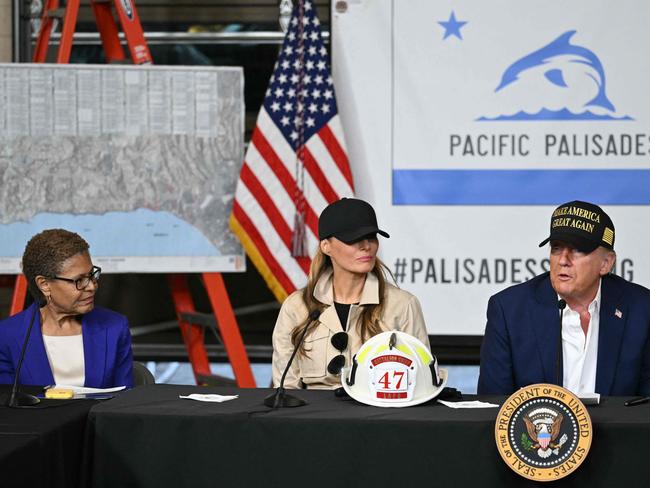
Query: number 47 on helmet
(393, 369)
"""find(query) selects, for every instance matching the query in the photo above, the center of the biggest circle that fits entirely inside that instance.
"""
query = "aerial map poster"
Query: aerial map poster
(140, 161)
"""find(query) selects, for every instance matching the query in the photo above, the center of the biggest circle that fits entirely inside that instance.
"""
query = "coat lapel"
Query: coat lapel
(545, 320)
(330, 319)
(324, 293)
(95, 340)
(613, 318)
(36, 367)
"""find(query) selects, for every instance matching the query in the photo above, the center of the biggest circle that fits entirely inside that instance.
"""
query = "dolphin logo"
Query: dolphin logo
(561, 47)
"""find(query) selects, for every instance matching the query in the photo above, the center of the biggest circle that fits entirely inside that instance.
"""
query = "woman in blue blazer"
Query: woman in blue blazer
(72, 341)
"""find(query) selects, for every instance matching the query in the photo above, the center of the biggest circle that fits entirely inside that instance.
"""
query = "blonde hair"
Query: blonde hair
(369, 324)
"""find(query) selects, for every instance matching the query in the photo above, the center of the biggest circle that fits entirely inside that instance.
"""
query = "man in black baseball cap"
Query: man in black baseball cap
(576, 325)
(582, 224)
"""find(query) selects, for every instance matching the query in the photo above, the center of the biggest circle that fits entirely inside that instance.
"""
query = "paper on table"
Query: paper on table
(589, 398)
(208, 398)
(474, 404)
(85, 390)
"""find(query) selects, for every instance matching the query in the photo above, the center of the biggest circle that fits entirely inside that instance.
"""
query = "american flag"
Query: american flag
(296, 162)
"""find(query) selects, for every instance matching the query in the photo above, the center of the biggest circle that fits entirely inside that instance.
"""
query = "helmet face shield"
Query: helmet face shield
(393, 369)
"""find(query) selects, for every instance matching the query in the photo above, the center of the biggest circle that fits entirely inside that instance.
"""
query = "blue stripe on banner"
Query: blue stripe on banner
(520, 187)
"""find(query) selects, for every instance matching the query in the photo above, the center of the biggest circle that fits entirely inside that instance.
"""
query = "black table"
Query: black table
(42, 446)
(148, 437)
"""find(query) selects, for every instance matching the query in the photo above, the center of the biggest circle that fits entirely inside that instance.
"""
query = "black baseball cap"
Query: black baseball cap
(348, 219)
(582, 224)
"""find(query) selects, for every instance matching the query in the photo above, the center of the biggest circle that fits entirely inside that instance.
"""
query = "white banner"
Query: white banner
(469, 121)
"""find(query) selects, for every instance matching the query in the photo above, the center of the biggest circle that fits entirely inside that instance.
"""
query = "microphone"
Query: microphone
(561, 304)
(18, 399)
(280, 398)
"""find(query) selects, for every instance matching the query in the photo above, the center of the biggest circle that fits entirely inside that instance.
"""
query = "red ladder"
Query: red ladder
(53, 14)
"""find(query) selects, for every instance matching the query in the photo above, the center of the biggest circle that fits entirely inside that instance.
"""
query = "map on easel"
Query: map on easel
(141, 161)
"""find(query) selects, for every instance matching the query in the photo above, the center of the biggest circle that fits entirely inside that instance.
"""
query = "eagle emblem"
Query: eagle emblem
(543, 426)
(543, 432)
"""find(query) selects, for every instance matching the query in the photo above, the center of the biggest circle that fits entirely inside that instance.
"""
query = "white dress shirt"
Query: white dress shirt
(580, 351)
(66, 357)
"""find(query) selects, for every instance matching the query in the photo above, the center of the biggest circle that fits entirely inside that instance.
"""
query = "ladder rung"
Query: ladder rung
(197, 318)
(56, 13)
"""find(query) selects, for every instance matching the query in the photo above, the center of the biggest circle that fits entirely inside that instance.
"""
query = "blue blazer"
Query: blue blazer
(520, 345)
(106, 341)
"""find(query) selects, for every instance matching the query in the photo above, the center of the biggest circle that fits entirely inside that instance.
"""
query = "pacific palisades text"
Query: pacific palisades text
(523, 145)
(480, 271)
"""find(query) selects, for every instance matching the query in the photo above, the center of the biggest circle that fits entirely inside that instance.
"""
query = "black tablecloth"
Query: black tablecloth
(42, 446)
(148, 437)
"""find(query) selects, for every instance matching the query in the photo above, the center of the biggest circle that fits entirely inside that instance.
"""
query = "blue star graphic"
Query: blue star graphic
(452, 26)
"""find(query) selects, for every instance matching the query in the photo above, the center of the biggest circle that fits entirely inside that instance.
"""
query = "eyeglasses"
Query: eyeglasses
(340, 342)
(82, 282)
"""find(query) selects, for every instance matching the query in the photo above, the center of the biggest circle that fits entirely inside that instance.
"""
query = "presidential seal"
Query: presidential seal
(543, 432)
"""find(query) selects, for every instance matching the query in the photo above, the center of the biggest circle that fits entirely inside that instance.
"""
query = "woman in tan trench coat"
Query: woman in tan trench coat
(347, 285)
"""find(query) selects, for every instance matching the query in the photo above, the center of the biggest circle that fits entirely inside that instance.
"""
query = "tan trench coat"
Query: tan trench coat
(401, 312)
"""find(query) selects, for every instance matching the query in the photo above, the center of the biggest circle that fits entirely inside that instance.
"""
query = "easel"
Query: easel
(193, 334)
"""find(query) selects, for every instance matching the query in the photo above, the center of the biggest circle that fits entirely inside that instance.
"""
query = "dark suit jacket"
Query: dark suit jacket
(106, 341)
(520, 345)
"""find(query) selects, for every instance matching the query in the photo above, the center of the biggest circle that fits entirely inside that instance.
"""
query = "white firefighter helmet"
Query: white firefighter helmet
(393, 369)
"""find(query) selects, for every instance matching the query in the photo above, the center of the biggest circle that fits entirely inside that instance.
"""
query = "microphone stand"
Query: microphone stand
(18, 399)
(280, 398)
(559, 380)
